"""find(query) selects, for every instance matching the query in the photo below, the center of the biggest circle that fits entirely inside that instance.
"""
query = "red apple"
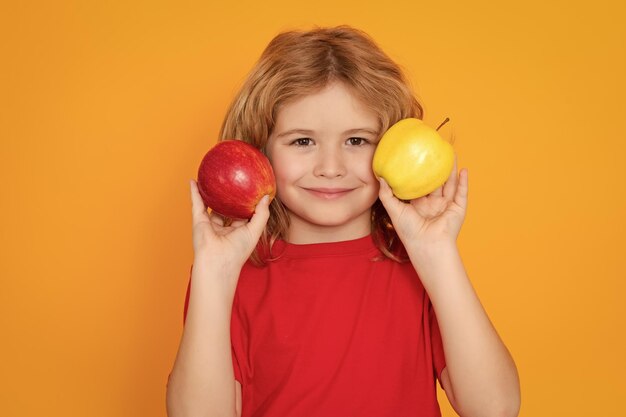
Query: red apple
(233, 176)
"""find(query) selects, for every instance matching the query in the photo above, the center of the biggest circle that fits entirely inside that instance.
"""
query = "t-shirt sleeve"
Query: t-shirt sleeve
(236, 340)
(439, 359)
(187, 297)
(185, 308)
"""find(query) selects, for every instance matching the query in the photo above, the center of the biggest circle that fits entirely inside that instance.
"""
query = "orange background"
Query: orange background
(106, 111)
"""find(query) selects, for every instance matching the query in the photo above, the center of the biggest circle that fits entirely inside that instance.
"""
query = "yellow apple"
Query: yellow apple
(413, 159)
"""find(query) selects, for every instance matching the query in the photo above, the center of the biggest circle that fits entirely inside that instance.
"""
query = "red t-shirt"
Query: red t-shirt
(335, 329)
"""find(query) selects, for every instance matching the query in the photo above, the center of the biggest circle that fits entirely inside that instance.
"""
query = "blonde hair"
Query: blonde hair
(298, 63)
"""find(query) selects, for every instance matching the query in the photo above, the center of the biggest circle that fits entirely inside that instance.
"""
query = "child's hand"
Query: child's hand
(430, 220)
(230, 245)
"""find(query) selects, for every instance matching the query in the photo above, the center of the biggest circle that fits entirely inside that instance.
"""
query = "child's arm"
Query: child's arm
(480, 378)
(202, 381)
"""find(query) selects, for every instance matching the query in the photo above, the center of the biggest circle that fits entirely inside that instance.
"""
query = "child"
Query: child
(336, 299)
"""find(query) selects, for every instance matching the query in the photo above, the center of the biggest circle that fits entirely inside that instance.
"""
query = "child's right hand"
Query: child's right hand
(228, 245)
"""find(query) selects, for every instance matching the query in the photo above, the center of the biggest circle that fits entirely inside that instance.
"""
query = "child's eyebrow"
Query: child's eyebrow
(292, 131)
(361, 130)
(311, 132)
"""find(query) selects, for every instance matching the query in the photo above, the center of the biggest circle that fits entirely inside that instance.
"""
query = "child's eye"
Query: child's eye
(302, 142)
(357, 141)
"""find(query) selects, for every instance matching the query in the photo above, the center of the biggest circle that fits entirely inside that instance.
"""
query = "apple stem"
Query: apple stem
(443, 123)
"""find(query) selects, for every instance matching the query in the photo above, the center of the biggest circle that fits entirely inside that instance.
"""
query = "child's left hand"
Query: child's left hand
(433, 219)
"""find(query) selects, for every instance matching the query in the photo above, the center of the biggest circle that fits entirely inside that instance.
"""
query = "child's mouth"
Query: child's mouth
(329, 193)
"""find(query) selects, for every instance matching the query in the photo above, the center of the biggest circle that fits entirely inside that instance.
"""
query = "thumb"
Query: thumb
(259, 218)
(393, 206)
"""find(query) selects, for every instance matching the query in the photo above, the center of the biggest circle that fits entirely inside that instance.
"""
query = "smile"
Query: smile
(329, 193)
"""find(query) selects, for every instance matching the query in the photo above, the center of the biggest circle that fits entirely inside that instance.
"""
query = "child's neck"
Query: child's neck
(302, 233)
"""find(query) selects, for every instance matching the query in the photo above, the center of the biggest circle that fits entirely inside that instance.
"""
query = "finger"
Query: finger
(438, 192)
(237, 223)
(393, 206)
(216, 218)
(198, 209)
(460, 196)
(449, 188)
(257, 223)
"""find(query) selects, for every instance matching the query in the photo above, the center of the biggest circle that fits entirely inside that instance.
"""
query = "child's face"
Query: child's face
(321, 150)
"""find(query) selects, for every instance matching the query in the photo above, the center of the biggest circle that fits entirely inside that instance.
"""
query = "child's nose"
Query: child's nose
(330, 163)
